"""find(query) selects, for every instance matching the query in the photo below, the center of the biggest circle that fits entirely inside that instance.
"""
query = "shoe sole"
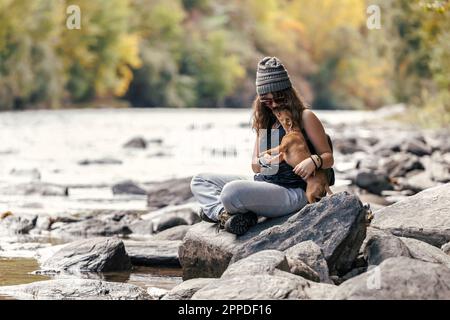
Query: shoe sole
(239, 224)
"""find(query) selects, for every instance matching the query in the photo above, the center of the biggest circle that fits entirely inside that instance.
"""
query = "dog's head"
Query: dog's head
(284, 116)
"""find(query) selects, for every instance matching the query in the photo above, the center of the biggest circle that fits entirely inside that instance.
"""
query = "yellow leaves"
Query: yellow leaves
(128, 51)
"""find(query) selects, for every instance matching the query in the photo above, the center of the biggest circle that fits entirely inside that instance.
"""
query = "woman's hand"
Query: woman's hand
(305, 168)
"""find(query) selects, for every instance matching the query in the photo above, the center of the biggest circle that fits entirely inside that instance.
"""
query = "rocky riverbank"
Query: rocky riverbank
(384, 234)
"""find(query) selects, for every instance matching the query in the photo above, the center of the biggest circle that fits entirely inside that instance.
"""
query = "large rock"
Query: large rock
(169, 192)
(136, 142)
(173, 216)
(281, 285)
(92, 227)
(174, 233)
(336, 224)
(75, 289)
(153, 252)
(91, 255)
(372, 182)
(128, 187)
(380, 245)
(14, 224)
(424, 216)
(312, 255)
(398, 278)
(262, 262)
(426, 252)
(186, 289)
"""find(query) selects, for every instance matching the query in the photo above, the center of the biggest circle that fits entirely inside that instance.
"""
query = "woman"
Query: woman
(277, 189)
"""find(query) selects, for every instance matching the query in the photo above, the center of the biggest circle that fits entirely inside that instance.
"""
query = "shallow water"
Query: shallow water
(14, 271)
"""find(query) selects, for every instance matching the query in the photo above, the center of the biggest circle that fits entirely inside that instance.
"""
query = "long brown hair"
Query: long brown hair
(263, 118)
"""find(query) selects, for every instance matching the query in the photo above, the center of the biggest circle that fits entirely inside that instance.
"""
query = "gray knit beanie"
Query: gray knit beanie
(271, 76)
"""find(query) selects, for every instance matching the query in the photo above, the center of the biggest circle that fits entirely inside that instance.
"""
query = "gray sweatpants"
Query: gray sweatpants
(236, 194)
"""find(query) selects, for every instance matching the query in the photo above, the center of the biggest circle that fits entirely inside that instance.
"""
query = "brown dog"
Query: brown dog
(295, 150)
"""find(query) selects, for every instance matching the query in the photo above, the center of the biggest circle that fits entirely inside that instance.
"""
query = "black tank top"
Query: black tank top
(282, 173)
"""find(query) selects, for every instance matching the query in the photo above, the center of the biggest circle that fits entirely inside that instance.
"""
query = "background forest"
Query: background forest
(203, 53)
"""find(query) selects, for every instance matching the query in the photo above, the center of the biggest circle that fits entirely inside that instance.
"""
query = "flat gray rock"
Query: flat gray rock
(153, 252)
(264, 287)
(187, 289)
(262, 262)
(92, 227)
(169, 192)
(174, 233)
(75, 289)
(398, 278)
(91, 255)
(424, 216)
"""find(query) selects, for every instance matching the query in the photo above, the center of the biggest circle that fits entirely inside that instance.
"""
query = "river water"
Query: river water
(48, 146)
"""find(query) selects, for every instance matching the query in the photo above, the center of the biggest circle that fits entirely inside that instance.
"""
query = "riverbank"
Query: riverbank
(100, 176)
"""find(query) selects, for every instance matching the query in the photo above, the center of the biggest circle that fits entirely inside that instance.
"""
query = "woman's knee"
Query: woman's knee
(199, 180)
(229, 195)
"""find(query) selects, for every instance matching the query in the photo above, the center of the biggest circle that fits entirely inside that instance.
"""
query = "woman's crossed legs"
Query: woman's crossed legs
(238, 194)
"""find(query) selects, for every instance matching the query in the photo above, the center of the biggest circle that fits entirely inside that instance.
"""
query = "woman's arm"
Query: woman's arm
(256, 167)
(316, 133)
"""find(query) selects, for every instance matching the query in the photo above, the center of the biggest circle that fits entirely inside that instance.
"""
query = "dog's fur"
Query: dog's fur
(295, 150)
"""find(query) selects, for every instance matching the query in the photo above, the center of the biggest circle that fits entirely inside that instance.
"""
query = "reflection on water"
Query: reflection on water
(146, 277)
(18, 271)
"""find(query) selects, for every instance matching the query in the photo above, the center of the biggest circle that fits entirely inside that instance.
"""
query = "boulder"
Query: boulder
(423, 216)
(91, 255)
(141, 227)
(136, 142)
(417, 147)
(75, 289)
(128, 187)
(15, 224)
(336, 224)
(280, 286)
(153, 252)
(174, 233)
(172, 216)
(169, 192)
(309, 253)
(262, 262)
(398, 278)
(299, 268)
(187, 289)
(89, 228)
(426, 252)
(380, 245)
(374, 183)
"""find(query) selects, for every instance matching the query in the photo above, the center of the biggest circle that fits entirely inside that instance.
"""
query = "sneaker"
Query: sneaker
(238, 223)
(204, 217)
